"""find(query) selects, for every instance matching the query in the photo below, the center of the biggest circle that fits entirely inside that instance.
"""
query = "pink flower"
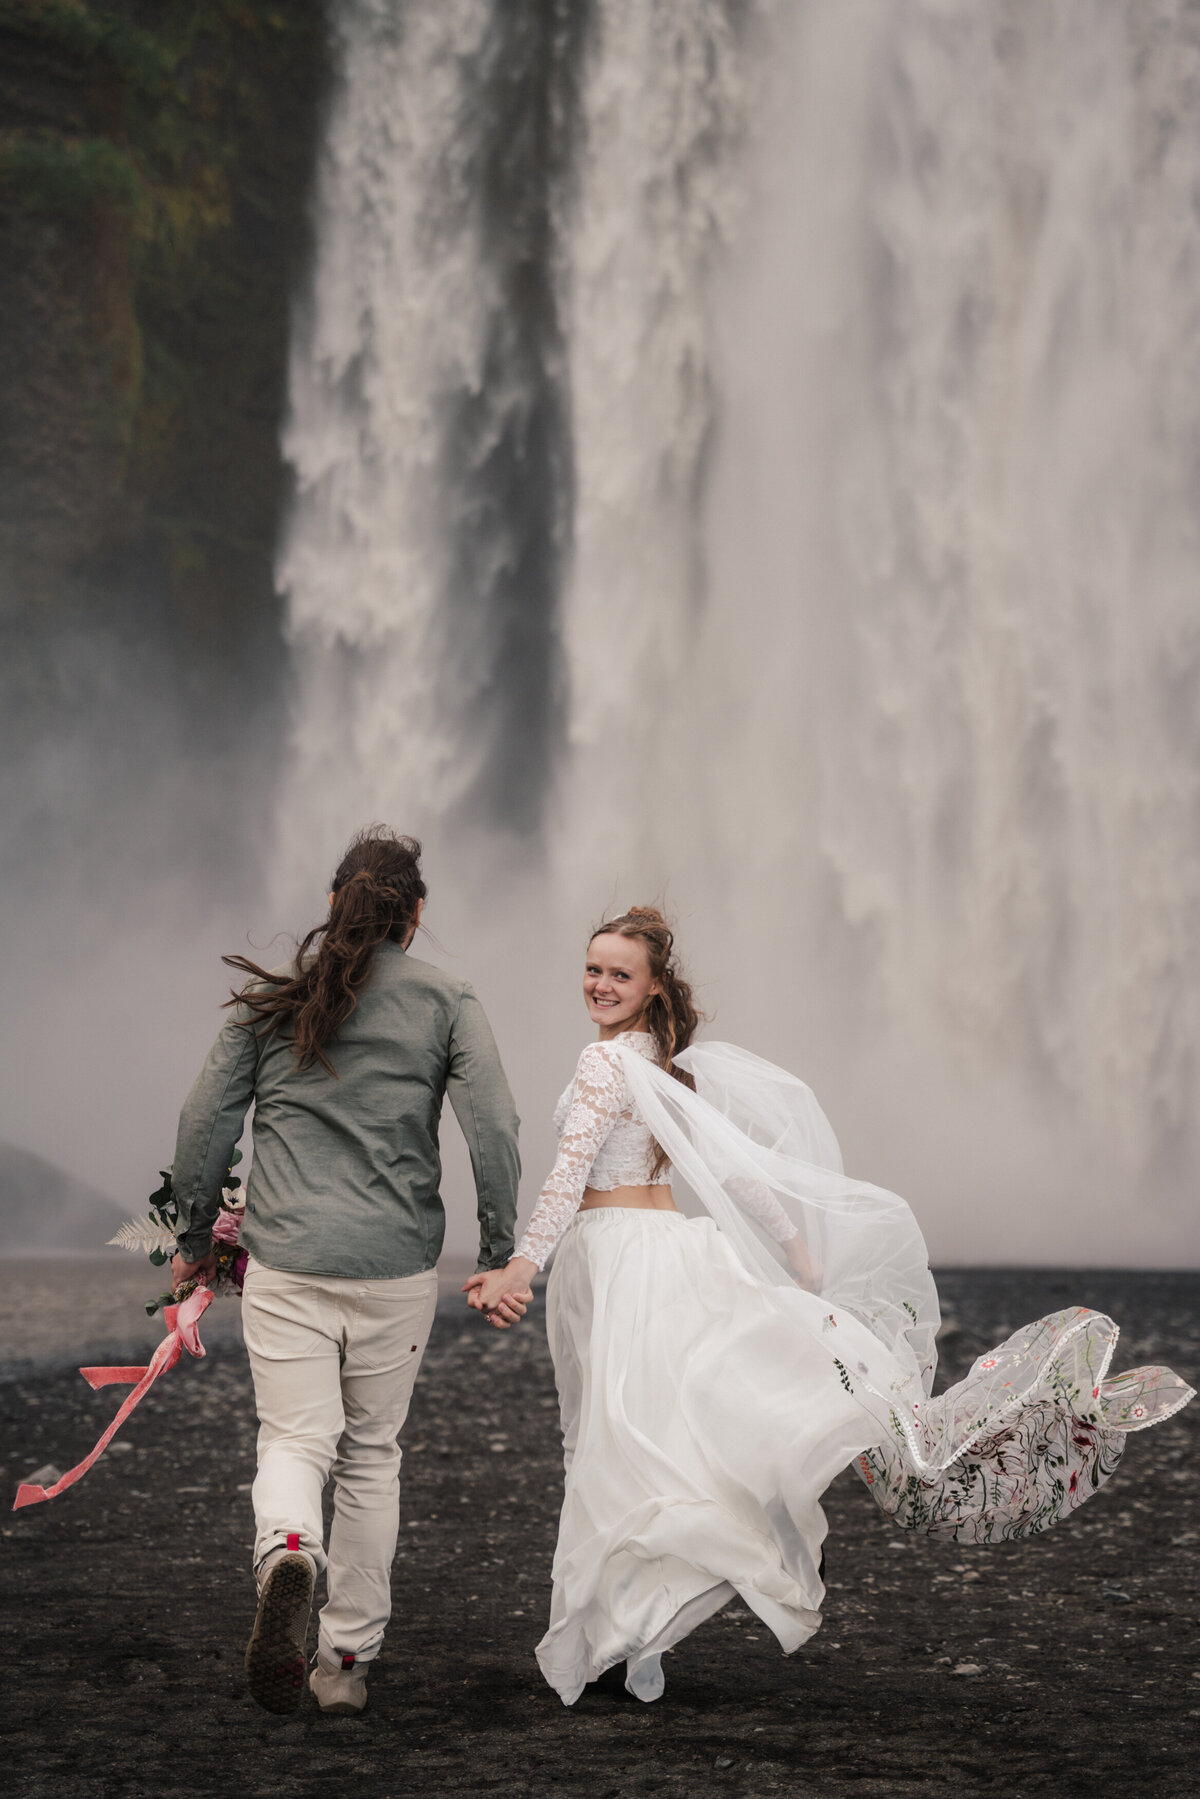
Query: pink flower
(238, 1275)
(227, 1226)
(989, 1361)
(1139, 1411)
(1095, 1392)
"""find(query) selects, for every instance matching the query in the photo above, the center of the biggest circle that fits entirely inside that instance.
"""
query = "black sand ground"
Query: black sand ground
(127, 1603)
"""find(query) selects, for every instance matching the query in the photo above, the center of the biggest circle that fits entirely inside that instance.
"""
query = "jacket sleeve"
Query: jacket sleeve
(483, 1105)
(209, 1127)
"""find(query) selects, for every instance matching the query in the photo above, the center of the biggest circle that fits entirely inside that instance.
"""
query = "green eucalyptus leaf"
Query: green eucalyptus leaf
(158, 1257)
(237, 1156)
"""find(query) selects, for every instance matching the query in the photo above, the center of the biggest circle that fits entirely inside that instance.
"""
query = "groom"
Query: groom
(344, 1224)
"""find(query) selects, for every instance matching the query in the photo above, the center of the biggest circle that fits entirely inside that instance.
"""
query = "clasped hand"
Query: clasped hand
(502, 1294)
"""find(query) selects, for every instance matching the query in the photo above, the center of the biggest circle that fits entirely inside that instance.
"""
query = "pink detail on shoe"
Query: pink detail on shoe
(347, 1662)
(293, 1541)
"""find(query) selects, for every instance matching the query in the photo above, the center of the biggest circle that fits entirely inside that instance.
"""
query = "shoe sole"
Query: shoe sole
(340, 1709)
(275, 1660)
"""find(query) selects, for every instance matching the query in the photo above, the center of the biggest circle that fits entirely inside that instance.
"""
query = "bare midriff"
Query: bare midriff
(634, 1199)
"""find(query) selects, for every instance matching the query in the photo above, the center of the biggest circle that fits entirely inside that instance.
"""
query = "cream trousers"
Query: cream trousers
(334, 1363)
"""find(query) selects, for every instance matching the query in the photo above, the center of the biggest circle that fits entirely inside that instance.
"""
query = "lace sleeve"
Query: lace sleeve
(756, 1199)
(597, 1096)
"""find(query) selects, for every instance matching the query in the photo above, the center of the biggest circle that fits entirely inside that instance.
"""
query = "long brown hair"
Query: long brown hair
(375, 893)
(671, 1014)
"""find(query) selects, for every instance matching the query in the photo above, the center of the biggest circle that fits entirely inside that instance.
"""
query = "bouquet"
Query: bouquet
(155, 1235)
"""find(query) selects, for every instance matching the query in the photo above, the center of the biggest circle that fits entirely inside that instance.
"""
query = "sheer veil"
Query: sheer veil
(751, 1126)
(752, 1141)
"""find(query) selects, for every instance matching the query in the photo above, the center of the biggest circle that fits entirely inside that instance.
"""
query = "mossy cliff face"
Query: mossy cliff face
(155, 167)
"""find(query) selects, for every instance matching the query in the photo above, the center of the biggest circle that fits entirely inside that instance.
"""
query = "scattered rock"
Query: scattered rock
(138, 1669)
(124, 1640)
(1114, 1596)
(44, 1476)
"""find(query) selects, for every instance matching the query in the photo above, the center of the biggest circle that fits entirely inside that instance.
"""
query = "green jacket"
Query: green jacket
(346, 1168)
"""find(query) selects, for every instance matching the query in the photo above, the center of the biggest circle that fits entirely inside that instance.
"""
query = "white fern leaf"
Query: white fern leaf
(141, 1236)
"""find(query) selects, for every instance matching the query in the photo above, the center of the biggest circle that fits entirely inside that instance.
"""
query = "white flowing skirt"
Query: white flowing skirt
(692, 1472)
(704, 1413)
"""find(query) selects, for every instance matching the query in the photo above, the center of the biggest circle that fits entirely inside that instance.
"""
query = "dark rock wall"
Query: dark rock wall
(156, 162)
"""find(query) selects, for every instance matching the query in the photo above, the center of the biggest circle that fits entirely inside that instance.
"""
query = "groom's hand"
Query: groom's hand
(183, 1270)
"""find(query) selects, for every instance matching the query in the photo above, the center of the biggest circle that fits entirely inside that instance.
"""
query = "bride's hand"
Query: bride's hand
(801, 1263)
(502, 1294)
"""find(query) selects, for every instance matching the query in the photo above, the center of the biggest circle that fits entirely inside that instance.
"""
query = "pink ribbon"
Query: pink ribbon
(181, 1322)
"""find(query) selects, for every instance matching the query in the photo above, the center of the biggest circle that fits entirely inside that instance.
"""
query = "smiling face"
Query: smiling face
(617, 983)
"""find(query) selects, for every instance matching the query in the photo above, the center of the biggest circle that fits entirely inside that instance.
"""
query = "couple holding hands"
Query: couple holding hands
(715, 1369)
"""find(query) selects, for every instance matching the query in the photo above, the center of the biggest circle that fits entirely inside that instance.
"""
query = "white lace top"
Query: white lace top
(604, 1143)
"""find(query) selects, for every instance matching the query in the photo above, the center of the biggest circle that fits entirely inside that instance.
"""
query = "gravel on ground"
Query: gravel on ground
(1063, 1666)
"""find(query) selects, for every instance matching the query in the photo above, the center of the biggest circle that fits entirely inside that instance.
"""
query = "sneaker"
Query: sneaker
(275, 1659)
(339, 1684)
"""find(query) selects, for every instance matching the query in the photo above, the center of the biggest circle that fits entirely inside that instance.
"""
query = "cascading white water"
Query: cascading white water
(425, 431)
(840, 423)
(394, 316)
(963, 428)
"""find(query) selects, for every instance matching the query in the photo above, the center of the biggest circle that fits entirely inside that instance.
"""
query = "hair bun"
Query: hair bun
(649, 914)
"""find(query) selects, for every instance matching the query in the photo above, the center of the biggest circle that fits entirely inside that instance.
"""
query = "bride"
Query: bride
(716, 1371)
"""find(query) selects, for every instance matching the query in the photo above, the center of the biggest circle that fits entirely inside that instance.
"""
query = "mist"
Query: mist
(771, 497)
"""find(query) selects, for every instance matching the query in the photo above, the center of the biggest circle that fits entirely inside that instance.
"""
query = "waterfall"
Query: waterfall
(745, 452)
(427, 433)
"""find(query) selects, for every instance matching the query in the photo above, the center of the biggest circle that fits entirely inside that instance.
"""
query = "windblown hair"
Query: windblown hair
(671, 1014)
(375, 894)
